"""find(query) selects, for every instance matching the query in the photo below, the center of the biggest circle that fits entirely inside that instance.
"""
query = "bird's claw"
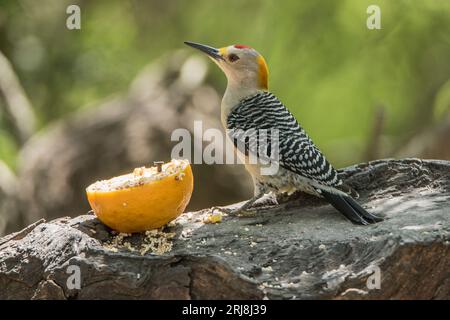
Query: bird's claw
(227, 211)
(237, 212)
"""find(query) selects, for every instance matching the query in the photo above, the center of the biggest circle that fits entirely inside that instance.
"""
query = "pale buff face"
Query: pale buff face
(243, 66)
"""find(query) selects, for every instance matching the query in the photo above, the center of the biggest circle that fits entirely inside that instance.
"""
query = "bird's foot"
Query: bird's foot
(227, 211)
(249, 208)
(266, 200)
(236, 212)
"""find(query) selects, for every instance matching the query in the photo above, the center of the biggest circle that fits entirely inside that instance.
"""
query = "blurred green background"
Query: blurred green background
(325, 65)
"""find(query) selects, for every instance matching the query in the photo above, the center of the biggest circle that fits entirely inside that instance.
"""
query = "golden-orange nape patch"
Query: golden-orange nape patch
(263, 72)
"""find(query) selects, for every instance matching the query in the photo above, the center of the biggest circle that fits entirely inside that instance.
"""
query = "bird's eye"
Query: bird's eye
(233, 57)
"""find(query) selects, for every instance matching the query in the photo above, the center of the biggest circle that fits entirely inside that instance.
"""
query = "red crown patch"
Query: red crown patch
(241, 46)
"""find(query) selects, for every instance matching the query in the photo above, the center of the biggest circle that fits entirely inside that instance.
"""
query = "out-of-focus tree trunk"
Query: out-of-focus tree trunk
(431, 143)
(16, 105)
(8, 191)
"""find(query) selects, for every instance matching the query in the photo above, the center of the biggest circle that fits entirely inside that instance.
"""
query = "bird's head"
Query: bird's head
(242, 65)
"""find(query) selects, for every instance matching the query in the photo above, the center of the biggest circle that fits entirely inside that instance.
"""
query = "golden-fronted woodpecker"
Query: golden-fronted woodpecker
(248, 105)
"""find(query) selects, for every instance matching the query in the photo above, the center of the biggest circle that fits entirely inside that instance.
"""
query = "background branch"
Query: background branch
(20, 115)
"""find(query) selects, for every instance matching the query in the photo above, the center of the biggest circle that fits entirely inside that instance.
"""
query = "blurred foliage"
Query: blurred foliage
(326, 66)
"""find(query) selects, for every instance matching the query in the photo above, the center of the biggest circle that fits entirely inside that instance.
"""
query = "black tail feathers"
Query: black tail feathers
(350, 208)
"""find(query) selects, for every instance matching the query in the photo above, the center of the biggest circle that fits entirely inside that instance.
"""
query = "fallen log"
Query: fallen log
(301, 249)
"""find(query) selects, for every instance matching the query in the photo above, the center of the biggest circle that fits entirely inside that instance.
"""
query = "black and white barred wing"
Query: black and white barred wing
(262, 125)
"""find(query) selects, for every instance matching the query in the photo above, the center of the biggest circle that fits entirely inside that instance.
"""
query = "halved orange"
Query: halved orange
(143, 200)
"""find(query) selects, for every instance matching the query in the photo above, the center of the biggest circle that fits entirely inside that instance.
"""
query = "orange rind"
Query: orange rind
(146, 199)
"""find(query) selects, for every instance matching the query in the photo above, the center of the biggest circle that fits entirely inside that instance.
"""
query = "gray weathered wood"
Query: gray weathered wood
(301, 249)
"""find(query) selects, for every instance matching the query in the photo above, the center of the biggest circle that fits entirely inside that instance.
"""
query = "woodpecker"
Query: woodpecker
(248, 105)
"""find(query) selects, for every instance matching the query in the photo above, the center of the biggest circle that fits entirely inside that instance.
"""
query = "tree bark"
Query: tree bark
(301, 249)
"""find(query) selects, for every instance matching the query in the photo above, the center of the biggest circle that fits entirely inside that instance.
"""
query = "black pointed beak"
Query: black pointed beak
(210, 51)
